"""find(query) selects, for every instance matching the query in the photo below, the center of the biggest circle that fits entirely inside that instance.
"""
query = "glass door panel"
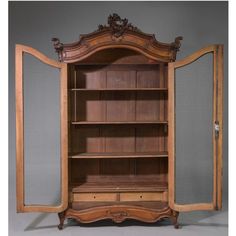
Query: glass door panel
(195, 139)
(41, 132)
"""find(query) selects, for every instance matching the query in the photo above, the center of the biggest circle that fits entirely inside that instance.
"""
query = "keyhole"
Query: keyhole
(94, 197)
(141, 196)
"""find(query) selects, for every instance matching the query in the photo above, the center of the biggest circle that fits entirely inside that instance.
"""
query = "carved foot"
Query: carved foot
(174, 219)
(61, 216)
(176, 225)
(60, 226)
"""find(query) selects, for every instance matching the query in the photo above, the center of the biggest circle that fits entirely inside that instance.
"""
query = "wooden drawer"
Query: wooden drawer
(87, 197)
(143, 196)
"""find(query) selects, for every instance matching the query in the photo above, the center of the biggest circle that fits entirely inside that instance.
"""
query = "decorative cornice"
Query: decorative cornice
(117, 33)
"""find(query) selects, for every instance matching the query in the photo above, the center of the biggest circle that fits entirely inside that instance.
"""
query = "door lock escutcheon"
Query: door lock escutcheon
(217, 129)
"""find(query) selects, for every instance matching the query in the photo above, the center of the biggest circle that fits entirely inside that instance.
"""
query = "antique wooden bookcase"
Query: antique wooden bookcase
(117, 128)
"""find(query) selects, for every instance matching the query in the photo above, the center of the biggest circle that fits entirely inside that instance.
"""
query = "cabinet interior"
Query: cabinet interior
(118, 130)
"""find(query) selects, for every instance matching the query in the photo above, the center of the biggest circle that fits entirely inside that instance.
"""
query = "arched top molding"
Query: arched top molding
(117, 33)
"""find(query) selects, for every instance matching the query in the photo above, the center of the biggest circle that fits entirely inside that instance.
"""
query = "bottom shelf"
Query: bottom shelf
(119, 189)
(154, 205)
(105, 187)
(119, 183)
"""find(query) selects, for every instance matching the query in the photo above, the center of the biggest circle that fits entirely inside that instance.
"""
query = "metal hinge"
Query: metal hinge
(217, 129)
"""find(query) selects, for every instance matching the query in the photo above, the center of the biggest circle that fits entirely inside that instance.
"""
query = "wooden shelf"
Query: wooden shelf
(119, 155)
(154, 205)
(120, 89)
(130, 183)
(117, 122)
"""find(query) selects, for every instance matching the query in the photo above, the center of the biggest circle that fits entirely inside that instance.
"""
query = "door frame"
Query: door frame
(19, 93)
(217, 132)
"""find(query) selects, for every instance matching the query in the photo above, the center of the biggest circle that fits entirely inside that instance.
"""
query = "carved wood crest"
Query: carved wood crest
(117, 25)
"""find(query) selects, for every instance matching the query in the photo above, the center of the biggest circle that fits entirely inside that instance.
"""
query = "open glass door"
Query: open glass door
(36, 141)
(195, 130)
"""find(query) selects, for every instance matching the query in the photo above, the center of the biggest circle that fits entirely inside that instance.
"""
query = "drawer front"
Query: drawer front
(87, 197)
(143, 196)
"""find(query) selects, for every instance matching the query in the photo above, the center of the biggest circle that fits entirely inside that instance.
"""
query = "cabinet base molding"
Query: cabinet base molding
(118, 214)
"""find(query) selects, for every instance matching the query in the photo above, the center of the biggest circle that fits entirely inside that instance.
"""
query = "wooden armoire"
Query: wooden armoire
(117, 126)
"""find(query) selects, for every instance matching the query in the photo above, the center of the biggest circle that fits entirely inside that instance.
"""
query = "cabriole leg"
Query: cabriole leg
(174, 219)
(61, 216)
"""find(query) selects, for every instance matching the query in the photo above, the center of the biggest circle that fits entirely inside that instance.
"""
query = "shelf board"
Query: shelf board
(153, 205)
(117, 185)
(119, 89)
(120, 155)
(116, 122)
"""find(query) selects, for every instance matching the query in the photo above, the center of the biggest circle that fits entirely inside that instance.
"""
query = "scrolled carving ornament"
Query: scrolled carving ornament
(176, 44)
(58, 46)
(117, 217)
(117, 25)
